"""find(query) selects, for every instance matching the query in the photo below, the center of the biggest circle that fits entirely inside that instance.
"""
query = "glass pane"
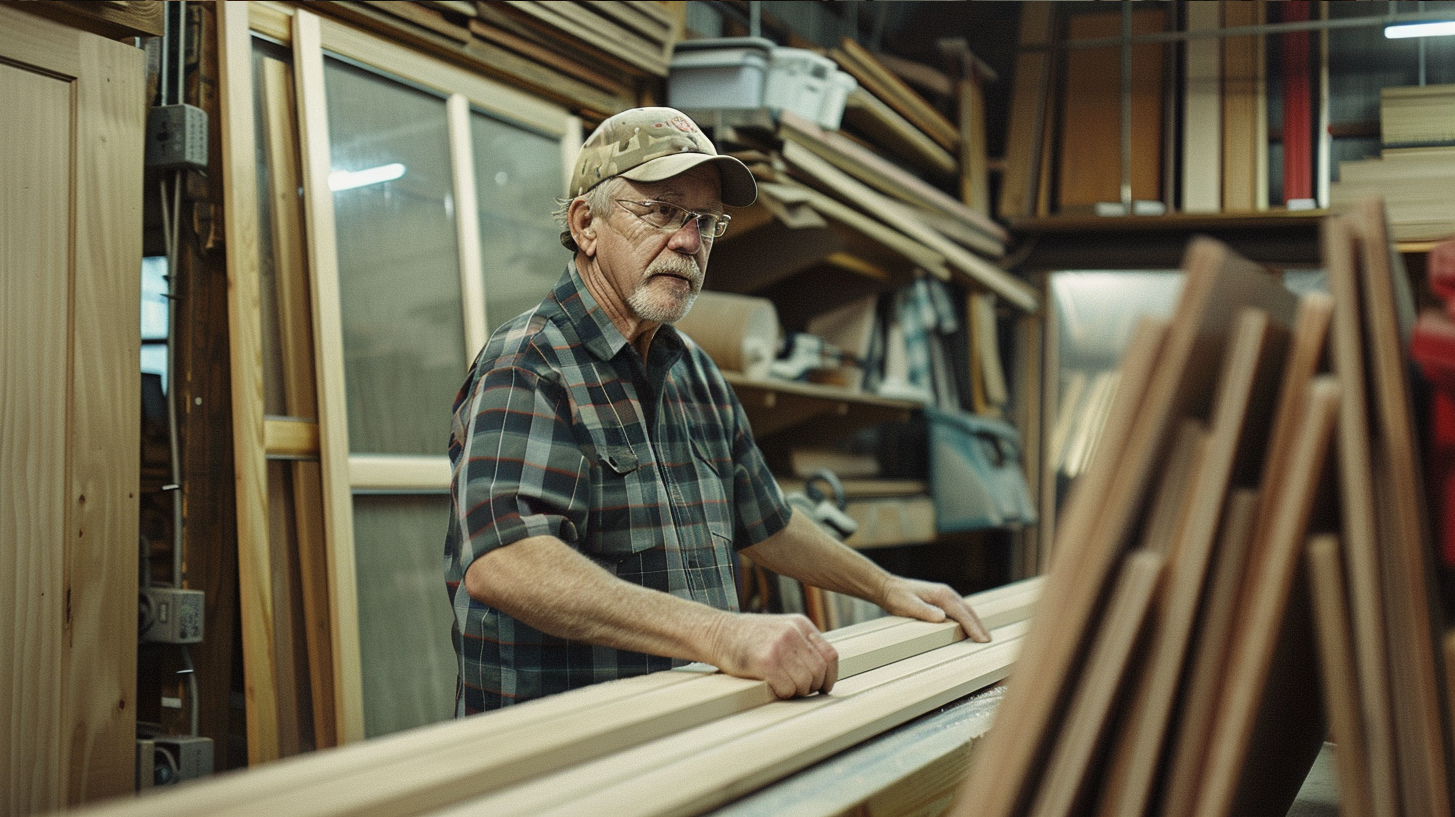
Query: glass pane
(518, 177)
(404, 615)
(399, 274)
(275, 399)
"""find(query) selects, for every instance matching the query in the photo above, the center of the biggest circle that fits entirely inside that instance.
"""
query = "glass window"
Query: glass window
(518, 176)
(404, 615)
(399, 273)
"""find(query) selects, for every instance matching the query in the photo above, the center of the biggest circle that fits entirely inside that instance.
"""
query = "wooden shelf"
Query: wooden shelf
(777, 406)
(1288, 238)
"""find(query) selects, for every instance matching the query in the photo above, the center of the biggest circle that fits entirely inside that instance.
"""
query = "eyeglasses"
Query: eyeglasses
(668, 217)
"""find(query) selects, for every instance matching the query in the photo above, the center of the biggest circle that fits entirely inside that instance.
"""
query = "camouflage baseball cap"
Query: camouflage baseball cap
(652, 144)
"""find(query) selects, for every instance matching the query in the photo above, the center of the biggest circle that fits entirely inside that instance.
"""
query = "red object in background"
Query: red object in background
(1432, 346)
(1298, 163)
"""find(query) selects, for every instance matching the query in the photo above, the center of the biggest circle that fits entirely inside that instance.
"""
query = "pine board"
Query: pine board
(1279, 537)
(1219, 284)
(1356, 495)
(1338, 674)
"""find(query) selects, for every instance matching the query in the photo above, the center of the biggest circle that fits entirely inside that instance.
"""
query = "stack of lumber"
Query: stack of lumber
(598, 58)
(886, 109)
(1227, 578)
(675, 742)
(1416, 167)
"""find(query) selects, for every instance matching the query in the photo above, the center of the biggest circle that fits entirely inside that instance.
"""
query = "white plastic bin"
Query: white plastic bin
(726, 72)
(835, 97)
(797, 81)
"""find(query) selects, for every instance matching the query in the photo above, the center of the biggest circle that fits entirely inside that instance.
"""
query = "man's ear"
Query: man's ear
(582, 223)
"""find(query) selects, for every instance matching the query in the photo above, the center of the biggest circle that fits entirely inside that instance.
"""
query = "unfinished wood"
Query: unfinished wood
(869, 168)
(974, 160)
(1357, 523)
(872, 75)
(1201, 166)
(1030, 91)
(673, 784)
(1249, 396)
(551, 58)
(70, 222)
(421, 16)
(290, 439)
(249, 432)
(113, 19)
(1080, 736)
(635, 52)
(467, 225)
(1338, 674)
(1278, 542)
(1185, 461)
(1218, 285)
(978, 270)
(295, 329)
(395, 474)
(338, 511)
(1219, 620)
(865, 112)
(1403, 525)
(1244, 114)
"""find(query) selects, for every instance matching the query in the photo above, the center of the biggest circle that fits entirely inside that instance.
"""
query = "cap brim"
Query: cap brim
(739, 189)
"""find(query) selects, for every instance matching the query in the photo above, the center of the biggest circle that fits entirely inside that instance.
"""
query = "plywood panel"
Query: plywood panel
(1089, 168)
(1245, 116)
(1338, 673)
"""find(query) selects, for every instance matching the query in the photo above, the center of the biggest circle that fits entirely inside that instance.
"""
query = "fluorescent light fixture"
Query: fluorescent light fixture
(1435, 28)
(349, 179)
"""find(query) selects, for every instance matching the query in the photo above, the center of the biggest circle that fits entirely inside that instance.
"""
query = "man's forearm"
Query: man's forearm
(803, 551)
(546, 584)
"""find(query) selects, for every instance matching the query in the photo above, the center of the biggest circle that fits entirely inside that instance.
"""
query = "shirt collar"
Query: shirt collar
(593, 326)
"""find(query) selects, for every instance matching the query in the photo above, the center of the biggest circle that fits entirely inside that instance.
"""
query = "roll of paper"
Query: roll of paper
(740, 332)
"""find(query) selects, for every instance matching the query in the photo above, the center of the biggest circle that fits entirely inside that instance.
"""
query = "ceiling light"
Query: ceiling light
(349, 179)
(1435, 28)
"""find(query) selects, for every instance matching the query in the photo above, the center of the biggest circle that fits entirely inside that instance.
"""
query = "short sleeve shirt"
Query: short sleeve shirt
(648, 468)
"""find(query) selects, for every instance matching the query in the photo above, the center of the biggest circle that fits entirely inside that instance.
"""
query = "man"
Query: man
(604, 472)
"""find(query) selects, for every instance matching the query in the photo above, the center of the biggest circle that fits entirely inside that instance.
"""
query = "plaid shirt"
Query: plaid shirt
(649, 470)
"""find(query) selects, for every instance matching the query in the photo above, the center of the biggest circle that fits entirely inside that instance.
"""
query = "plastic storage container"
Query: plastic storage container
(835, 97)
(727, 72)
(797, 81)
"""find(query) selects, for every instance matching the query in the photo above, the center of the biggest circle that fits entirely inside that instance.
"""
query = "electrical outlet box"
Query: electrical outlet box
(176, 137)
(180, 757)
(171, 615)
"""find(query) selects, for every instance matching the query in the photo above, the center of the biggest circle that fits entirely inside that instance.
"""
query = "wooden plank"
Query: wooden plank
(1245, 118)
(873, 76)
(467, 225)
(338, 511)
(34, 348)
(1249, 396)
(1201, 165)
(423, 17)
(1205, 671)
(1219, 284)
(1339, 674)
(113, 19)
(255, 565)
(1081, 734)
(1278, 543)
(1030, 89)
(976, 269)
(648, 20)
(865, 112)
(610, 38)
(725, 769)
(1089, 167)
(1357, 524)
(1402, 524)
(545, 55)
(300, 388)
(290, 439)
(974, 159)
(869, 168)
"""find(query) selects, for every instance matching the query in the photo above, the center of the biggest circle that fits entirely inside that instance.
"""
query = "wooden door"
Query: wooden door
(70, 284)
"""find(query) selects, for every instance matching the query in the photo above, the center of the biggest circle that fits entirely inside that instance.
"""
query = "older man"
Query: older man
(604, 473)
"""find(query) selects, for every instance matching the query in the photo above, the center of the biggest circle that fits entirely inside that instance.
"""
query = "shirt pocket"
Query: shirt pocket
(619, 506)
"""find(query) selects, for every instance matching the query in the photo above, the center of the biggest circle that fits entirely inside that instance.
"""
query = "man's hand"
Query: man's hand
(930, 601)
(786, 651)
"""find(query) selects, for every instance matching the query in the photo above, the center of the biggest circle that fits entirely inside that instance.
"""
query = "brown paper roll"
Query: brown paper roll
(740, 332)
